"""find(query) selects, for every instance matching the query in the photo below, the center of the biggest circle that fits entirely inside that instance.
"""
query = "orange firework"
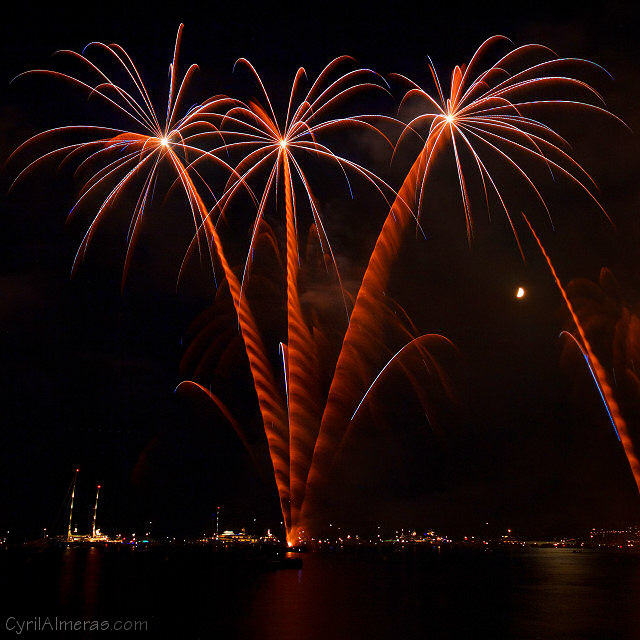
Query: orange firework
(118, 160)
(122, 156)
(486, 115)
(486, 118)
(281, 149)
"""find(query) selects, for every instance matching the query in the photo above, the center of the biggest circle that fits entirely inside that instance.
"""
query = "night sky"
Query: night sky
(88, 374)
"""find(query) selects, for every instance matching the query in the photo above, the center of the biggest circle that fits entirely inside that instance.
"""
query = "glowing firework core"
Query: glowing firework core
(520, 293)
(283, 143)
(164, 142)
(449, 118)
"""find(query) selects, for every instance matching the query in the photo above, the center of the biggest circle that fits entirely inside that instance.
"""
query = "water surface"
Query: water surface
(191, 592)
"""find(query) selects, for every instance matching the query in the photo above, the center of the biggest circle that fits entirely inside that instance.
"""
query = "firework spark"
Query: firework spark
(486, 116)
(598, 371)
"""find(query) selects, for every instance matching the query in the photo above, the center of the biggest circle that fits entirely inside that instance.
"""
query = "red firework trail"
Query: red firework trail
(281, 150)
(598, 371)
(123, 156)
(120, 157)
(484, 114)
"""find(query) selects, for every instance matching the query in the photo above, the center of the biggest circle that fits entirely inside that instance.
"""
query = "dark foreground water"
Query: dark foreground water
(186, 593)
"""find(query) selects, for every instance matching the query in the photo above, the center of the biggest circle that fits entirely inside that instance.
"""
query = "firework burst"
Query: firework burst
(281, 149)
(127, 159)
(309, 407)
(121, 161)
(485, 113)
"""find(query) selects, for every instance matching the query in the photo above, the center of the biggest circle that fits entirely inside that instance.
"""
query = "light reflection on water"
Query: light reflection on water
(80, 574)
(542, 593)
(194, 593)
(586, 595)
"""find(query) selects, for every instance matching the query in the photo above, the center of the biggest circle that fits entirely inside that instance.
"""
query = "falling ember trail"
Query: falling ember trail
(598, 371)
(272, 414)
(595, 378)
